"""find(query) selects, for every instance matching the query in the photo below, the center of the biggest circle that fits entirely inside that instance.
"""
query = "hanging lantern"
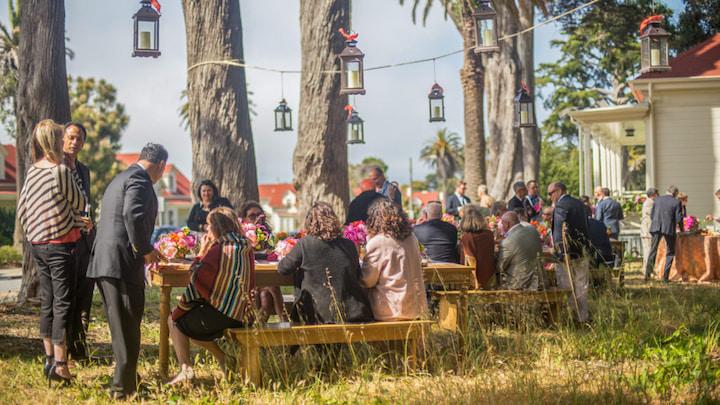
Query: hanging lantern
(356, 132)
(351, 66)
(653, 46)
(283, 117)
(524, 109)
(486, 38)
(147, 29)
(436, 102)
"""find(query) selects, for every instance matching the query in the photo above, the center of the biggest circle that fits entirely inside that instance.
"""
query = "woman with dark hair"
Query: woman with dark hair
(326, 268)
(392, 267)
(478, 245)
(208, 199)
(218, 296)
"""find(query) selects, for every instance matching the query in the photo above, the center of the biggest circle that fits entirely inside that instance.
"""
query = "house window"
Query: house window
(170, 182)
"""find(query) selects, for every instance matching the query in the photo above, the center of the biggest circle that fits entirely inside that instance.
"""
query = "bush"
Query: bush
(7, 225)
(9, 255)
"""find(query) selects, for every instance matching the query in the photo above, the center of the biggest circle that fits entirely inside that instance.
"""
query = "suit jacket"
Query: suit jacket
(646, 219)
(518, 259)
(358, 209)
(666, 215)
(129, 208)
(453, 204)
(84, 173)
(515, 204)
(601, 247)
(609, 212)
(439, 239)
(570, 211)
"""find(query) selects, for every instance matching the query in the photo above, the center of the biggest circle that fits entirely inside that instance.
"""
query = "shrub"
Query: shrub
(7, 225)
(9, 255)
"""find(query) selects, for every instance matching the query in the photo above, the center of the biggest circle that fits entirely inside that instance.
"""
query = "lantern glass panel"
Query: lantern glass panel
(526, 117)
(353, 79)
(278, 120)
(486, 32)
(146, 35)
(355, 132)
(287, 120)
(437, 108)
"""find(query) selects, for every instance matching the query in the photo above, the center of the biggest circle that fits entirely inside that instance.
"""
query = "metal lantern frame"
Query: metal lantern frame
(486, 39)
(436, 103)
(654, 48)
(348, 57)
(146, 14)
(283, 117)
(356, 129)
(523, 114)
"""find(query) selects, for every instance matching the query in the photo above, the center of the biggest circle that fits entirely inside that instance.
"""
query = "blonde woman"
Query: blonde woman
(484, 200)
(49, 209)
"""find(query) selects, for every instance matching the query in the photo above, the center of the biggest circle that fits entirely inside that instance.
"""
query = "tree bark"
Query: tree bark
(320, 157)
(513, 154)
(471, 77)
(218, 113)
(42, 93)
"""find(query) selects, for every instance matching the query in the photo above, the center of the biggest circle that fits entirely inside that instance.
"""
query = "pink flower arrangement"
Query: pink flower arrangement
(356, 232)
(258, 235)
(284, 246)
(690, 223)
(449, 219)
(176, 245)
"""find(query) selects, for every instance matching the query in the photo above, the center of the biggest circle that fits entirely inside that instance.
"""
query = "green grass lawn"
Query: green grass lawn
(647, 343)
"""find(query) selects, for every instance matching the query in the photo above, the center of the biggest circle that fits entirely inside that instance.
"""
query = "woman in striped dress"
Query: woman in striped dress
(218, 296)
(49, 209)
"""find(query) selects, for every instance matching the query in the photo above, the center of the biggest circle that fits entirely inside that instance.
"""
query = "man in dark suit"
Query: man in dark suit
(600, 243)
(666, 216)
(438, 236)
(571, 213)
(121, 250)
(519, 202)
(457, 200)
(73, 142)
(358, 209)
(608, 211)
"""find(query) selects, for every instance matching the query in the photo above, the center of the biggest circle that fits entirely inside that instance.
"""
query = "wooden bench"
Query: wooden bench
(453, 305)
(251, 340)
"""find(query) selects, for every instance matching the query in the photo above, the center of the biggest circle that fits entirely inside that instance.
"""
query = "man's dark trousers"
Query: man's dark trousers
(669, 257)
(84, 288)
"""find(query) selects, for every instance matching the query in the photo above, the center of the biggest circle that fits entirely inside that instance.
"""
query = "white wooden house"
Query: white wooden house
(676, 117)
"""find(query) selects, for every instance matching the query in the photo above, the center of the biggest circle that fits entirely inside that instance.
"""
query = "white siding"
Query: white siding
(687, 140)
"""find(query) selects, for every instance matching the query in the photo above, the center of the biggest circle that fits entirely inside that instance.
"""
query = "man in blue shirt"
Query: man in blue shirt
(383, 186)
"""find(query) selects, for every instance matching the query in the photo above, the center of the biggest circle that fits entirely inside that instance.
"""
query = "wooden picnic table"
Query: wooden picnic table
(173, 275)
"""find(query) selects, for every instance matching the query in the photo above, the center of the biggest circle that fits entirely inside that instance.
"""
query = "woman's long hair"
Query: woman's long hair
(386, 217)
(321, 222)
(47, 141)
(222, 221)
(473, 220)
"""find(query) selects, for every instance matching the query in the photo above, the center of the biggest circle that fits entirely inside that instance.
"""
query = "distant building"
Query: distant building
(280, 203)
(8, 191)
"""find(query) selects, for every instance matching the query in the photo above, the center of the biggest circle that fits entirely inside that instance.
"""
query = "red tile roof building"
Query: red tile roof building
(279, 201)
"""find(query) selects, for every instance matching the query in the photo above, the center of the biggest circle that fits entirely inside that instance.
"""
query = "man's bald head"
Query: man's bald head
(434, 210)
(510, 219)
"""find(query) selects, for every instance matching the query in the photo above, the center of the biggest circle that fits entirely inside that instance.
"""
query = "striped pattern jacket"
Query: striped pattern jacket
(223, 278)
(50, 203)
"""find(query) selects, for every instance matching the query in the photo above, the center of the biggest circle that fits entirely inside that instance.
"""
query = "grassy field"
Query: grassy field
(647, 343)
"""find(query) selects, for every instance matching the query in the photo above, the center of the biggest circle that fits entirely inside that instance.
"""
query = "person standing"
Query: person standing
(645, 222)
(570, 219)
(208, 199)
(122, 248)
(456, 201)
(383, 186)
(519, 203)
(683, 198)
(484, 199)
(359, 206)
(49, 210)
(73, 142)
(666, 216)
(534, 200)
(608, 211)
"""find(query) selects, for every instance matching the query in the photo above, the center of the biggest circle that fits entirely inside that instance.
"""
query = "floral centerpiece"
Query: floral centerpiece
(258, 235)
(284, 246)
(541, 228)
(356, 231)
(449, 219)
(690, 224)
(176, 245)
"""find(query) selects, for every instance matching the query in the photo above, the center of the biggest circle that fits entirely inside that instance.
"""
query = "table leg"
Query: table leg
(164, 329)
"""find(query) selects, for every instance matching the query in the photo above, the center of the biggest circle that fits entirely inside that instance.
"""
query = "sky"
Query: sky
(394, 108)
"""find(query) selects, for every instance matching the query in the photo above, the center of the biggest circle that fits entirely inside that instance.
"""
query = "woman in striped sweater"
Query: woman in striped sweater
(49, 208)
(218, 296)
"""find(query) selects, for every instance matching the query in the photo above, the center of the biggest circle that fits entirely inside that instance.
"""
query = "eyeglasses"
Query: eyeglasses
(550, 193)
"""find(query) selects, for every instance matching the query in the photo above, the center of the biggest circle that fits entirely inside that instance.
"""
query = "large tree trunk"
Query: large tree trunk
(320, 158)
(42, 93)
(513, 153)
(222, 143)
(471, 77)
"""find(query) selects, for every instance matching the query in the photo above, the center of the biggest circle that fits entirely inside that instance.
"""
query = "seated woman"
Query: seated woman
(218, 296)
(326, 269)
(270, 298)
(209, 199)
(392, 267)
(478, 245)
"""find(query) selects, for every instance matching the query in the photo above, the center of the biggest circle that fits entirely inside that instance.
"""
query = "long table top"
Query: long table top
(266, 275)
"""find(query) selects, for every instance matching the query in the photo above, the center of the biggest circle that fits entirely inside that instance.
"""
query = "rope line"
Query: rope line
(239, 63)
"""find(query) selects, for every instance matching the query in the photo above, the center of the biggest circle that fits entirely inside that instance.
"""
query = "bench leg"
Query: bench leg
(164, 329)
(411, 354)
(249, 363)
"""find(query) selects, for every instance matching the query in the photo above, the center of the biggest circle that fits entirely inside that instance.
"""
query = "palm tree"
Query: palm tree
(444, 153)
(9, 41)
